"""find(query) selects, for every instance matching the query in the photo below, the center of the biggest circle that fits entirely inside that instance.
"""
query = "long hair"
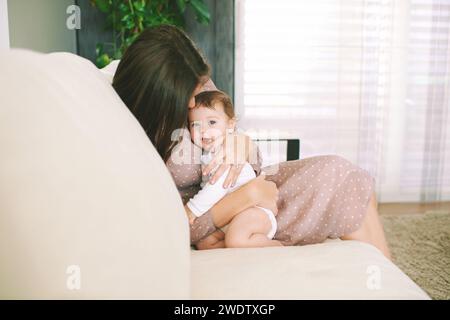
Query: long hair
(156, 78)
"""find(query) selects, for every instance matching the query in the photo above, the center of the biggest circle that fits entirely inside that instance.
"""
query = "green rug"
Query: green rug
(420, 246)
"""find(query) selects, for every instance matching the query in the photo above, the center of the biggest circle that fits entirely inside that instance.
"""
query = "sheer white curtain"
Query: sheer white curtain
(365, 79)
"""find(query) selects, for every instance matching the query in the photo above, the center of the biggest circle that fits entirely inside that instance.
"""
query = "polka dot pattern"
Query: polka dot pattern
(319, 197)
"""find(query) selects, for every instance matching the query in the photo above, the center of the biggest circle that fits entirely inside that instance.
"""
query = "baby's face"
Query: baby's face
(208, 125)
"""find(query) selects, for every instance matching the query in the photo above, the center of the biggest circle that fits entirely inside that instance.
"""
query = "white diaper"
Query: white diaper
(272, 219)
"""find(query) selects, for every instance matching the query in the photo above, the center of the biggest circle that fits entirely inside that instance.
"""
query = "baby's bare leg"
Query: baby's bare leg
(249, 229)
(214, 241)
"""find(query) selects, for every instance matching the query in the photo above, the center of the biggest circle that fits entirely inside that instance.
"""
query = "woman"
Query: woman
(316, 198)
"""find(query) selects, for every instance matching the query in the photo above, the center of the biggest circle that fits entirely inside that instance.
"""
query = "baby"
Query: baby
(212, 118)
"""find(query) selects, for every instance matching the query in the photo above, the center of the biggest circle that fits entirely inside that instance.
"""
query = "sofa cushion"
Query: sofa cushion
(83, 193)
(110, 70)
(332, 270)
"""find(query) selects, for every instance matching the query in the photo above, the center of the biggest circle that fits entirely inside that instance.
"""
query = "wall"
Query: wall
(4, 33)
(40, 25)
(92, 30)
(215, 40)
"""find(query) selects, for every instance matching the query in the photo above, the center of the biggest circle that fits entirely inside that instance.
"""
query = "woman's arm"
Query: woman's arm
(220, 214)
(257, 192)
(207, 197)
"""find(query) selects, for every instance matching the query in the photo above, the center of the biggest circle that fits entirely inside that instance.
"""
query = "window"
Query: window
(368, 80)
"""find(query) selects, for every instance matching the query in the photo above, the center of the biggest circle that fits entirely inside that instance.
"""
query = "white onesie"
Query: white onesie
(210, 194)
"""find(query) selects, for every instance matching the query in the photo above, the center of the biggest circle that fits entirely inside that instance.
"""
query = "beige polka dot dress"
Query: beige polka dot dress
(319, 197)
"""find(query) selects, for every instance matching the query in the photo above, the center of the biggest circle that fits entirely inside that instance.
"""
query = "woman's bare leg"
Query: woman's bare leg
(371, 230)
(248, 229)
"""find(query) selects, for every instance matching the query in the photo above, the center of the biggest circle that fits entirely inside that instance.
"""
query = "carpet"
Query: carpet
(420, 246)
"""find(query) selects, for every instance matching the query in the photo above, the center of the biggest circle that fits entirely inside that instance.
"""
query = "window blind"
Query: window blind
(368, 80)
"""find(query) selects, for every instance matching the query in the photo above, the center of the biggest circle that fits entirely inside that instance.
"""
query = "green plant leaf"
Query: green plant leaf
(102, 5)
(130, 24)
(117, 55)
(103, 60)
(139, 6)
(201, 11)
(128, 18)
(123, 9)
(181, 5)
(99, 49)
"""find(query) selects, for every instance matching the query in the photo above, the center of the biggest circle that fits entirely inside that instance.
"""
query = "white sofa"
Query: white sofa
(88, 210)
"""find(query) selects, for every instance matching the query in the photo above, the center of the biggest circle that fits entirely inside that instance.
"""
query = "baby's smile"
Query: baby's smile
(207, 141)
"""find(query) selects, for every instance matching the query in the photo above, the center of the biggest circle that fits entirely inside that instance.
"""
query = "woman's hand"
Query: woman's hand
(263, 193)
(190, 215)
(236, 149)
(214, 241)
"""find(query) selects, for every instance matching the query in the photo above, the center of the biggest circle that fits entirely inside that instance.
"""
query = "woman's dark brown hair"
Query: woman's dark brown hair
(156, 78)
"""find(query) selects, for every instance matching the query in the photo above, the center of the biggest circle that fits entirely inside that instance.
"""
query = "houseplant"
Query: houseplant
(128, 18)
